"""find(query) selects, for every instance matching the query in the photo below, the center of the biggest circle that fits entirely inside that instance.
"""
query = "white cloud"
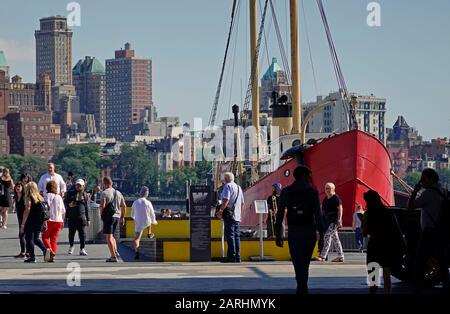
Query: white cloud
(18, 50)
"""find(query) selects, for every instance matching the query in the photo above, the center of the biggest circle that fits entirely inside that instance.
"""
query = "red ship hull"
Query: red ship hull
(354, 161)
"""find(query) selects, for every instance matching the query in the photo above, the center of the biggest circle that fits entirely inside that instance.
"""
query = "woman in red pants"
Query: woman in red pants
(56, 221)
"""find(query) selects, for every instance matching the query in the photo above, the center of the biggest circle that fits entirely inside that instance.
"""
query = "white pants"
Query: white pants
(332, 235)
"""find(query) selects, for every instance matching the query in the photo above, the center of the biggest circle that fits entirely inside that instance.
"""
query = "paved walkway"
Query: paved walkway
(130, 277)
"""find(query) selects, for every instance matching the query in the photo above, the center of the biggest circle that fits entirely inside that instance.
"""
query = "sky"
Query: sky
(406, 60)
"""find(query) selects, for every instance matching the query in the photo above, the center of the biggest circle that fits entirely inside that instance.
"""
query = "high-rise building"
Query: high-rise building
(4, 138)
(3, 64)
(43, 93)
(4, 93)
(128, 91)
(17, 96)
(54, 50)
(90, 83)
(4, 100)
(21, 95)
(370, 115)
(274, 80)
(33, 134)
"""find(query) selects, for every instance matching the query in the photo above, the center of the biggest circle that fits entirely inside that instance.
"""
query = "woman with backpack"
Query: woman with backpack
(6, 187)
(33, 223)
(56, 221)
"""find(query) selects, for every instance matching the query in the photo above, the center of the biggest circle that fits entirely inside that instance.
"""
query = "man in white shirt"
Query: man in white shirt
(143, 215)
(51, 175)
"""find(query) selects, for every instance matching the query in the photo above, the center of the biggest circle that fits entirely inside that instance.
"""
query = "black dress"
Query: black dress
(383, 234)
(5, 195)
(20, 208)
(34, 222)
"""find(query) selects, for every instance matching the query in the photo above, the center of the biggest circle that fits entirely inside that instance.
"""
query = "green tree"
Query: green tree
(412, 178)
(17, 165)
(135, 166)
(83, 160)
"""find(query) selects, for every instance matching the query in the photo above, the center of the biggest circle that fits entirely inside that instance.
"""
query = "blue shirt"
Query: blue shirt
(230, 192)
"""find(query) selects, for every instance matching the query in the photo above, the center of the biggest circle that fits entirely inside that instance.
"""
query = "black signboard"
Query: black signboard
(200, 223)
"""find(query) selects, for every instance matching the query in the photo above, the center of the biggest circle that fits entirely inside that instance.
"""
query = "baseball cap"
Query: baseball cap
(80, 182)
(277, 185)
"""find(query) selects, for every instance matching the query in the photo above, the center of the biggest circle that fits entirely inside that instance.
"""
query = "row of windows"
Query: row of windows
(373, 106)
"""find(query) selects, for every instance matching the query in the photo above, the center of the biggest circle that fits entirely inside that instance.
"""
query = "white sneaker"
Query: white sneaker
(4, 227)
(70, 250)
(83, 252)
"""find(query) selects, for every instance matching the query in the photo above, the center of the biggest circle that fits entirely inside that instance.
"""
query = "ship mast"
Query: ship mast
(295, 65)
(255, 68)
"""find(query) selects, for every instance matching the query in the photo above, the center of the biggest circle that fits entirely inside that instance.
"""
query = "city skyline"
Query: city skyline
(411, 81)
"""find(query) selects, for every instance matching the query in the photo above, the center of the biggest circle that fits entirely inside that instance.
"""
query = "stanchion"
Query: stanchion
(261, 209)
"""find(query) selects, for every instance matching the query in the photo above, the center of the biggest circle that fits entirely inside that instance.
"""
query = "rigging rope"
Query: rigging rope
(254, 61)
(212, 118)
(284, 58)
(234, 60)
(351, 117)
(265, 37)
(309, 48)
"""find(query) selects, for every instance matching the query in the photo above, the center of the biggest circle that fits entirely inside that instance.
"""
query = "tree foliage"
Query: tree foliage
(135, 166)
(83, 160)
(17, 165)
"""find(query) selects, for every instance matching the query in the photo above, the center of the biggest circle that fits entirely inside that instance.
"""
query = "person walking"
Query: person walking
(76, 201)
(143, 215)
(56, 221)
(19, 200)
(358, 218)
(332, 216)
(431, 241)
(69, 181)
(273, 202)
(51, 175)
(384, 239)
(230, 211)
(6, 187)
(32, 223)
(112, 211)
(301, 200)
(25, 178)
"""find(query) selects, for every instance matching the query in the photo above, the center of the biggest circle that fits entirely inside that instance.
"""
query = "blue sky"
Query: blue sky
(406, 60)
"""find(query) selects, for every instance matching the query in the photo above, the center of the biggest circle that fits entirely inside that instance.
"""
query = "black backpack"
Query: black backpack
(44, 209)
(300, 207)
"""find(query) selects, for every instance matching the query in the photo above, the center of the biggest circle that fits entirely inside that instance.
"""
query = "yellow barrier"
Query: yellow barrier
(179, 251)
(173, 229)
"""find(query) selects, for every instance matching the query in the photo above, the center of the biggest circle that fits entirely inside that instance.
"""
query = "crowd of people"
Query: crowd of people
(310, 220)
(44, 208)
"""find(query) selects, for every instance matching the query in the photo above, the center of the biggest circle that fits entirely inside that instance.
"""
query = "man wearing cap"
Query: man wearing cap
(76, 201)
(273, 203)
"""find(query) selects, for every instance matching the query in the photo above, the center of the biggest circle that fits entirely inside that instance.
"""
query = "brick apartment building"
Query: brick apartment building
(32, 134)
